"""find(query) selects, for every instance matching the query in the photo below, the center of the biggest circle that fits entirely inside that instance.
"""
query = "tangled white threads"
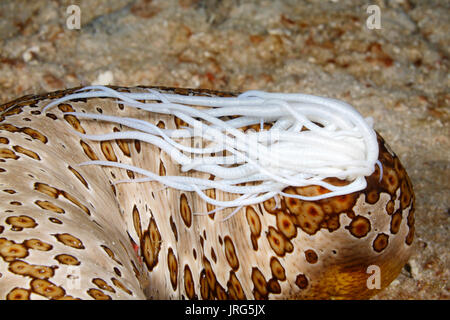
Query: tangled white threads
(310, 139)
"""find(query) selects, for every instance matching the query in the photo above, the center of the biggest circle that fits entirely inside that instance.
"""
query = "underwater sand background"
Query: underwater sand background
(399, 75)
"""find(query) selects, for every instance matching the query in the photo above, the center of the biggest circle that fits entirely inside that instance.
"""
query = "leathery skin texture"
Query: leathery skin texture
(67, 233)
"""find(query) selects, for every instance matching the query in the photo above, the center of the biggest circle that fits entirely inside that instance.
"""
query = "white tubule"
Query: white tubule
(310, 139)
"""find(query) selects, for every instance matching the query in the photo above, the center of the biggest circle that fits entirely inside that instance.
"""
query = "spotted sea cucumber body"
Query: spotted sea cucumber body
(66, 232)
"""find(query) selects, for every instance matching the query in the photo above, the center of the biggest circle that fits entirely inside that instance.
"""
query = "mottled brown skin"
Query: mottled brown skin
(67, 233)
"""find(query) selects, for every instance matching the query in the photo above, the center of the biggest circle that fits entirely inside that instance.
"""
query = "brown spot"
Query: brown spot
(108, 151)
(51, 116)
(88, 150)
(189, 286)
(288, 246)
(185, 211)
(410, 236)
(406, 193)
(151, 245)
(162, 169)
(390, 179)
(15, 203)
(380, 242)
(65, 107)
(254, 241)
(110, 253)
(10, 191)
(253, 221)
(123, 144)
(46, 288)
(161, 125)
(130, 174)
(332, 222)
(101, 284)
(308, 215)
(79, 176)
(399, 168)
(20, 267)
(359, 227)
(41, 272)
(314, 209)
(180, 123)
(311, 256)
(221, 294)
(67, 259)
(35, 134)
(74, 122)
(4, 140)
(76, 202)
(8, 154)
(260, 283)
(411, 219)
(98, 295)
(173, 268)
(67, 298)
(270, 205)
(277, 269)
(137, 222)
(390, 207)
(285, 225)
(301, 281)
(54, 220)
(47, 205)
(20, 222)
(273, 286)
(372, 197)
(396, 221)
(213, 255)
(13, 111)
(204, 288)
(209, 207)
(314, 190)
(69, 240)
(37, 244)
(46, 189)
(276, 241)
(27, 152)
(230, 253)
(210, 276)
(137, 146)
(173, 226)
(121, 286)
(18, 294)
(9, 127)
(235, 288)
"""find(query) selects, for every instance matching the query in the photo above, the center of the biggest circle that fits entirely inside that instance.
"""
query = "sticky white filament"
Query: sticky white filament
(310, 139)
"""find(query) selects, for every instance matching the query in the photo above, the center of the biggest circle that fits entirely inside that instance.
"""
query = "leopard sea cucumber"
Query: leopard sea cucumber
(102, 198)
